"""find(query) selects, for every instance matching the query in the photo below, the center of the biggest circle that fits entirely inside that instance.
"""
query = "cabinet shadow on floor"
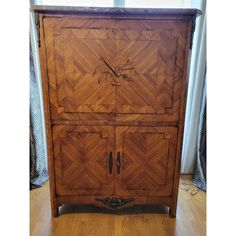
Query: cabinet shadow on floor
(137, 209)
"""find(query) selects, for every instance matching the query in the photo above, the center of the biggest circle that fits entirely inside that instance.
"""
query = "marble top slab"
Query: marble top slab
(114, 7)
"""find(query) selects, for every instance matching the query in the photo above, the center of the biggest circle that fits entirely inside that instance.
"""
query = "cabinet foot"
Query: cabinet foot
(55, 211)
(172, 212)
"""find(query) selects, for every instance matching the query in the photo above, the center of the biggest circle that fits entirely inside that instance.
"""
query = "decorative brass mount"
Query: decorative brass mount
(192, 31)
(114, 202)
(37, 24)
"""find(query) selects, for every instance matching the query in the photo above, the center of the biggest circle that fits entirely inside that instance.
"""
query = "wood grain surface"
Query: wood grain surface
(113, 66)
(147, 160)
(81, 159)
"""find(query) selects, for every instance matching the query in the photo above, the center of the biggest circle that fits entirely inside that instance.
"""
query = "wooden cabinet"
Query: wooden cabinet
(114, 87)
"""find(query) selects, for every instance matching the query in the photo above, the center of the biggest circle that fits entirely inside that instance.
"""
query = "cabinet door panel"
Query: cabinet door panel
(78, 76)
(147, 160)
(81, 156)
(150, 60)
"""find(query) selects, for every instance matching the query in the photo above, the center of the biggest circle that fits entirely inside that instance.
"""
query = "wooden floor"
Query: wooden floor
(137, 221)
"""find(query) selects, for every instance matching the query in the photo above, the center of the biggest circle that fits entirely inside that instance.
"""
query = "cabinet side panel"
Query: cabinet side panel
(181, 120)
(54, 206)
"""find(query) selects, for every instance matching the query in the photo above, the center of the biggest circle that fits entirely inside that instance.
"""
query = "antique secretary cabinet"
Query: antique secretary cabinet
(114, 86)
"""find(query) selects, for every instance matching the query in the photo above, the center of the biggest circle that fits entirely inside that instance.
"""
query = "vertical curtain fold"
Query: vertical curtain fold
(38, 160)
(200, 167)
(38, 155)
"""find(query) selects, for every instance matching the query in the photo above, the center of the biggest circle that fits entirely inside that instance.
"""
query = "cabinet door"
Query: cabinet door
(80, 53)
(81, 158)
(147, 160)
(108, 66)
(149, 62)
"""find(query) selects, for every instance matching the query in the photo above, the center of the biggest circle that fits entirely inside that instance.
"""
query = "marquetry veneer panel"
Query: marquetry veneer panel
(147, 160)
(81, 159)
(115, 66)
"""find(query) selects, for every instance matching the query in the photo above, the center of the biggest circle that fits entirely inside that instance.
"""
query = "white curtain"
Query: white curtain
(35, 55)
(195, 90)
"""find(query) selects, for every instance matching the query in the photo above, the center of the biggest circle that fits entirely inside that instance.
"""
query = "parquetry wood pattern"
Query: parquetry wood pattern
(107, 66)
(147, 160)
(81, 160)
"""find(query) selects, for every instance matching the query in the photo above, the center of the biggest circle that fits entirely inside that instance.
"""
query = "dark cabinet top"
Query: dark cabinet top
(113, 7)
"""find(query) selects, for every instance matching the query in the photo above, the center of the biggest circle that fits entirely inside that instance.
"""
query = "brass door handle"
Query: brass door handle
(118, 162)
(110, 161)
